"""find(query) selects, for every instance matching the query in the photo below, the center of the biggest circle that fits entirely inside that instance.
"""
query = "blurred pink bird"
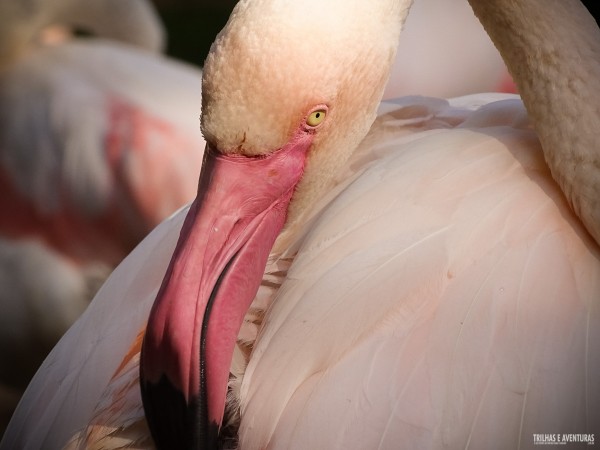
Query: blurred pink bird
(99, 142)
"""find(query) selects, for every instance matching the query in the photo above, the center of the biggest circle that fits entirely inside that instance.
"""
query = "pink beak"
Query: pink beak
(210, 283)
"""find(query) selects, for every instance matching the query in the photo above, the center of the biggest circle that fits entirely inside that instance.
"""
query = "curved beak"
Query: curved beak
(212, 278)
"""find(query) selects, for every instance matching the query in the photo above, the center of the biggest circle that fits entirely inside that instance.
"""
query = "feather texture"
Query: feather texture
(442, 295)
(446, 299)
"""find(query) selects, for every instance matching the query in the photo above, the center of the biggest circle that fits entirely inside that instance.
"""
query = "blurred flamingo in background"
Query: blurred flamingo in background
(99, 142)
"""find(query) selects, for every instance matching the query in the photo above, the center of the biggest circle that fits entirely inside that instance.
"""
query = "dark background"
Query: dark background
(192, 25)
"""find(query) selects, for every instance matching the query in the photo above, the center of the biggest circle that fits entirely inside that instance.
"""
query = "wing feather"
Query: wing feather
(442, 300)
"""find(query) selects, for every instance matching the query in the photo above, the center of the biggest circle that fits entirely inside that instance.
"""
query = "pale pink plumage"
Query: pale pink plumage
(441, 294)
(447, 298)
(490, 319)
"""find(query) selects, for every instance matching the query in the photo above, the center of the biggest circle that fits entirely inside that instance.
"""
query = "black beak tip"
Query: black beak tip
(175, 423)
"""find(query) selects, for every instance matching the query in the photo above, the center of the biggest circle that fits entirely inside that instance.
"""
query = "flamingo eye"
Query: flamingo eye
(316, 117)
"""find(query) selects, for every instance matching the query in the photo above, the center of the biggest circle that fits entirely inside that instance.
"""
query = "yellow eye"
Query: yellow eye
(316, 117)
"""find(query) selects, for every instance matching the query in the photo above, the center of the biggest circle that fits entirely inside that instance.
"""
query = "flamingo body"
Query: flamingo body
(433, 304)
(432, 284)
(457, 295)
(86, 148)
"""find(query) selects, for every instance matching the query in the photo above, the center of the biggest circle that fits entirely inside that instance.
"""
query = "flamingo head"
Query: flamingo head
(289, 90)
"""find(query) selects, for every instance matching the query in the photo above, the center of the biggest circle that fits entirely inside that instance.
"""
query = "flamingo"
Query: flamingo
(93, 154)
(431, 272)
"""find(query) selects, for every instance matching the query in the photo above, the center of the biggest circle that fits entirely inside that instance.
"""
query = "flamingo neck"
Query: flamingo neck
(556, 66)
